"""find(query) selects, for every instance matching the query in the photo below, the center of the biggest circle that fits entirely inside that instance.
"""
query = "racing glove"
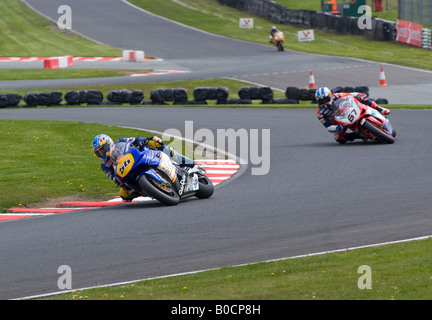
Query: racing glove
(361, 97)
(335, 128)
(155, 142)
(139, 142)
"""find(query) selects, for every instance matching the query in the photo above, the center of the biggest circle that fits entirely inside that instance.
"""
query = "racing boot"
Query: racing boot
(343, 137)
(127, 195)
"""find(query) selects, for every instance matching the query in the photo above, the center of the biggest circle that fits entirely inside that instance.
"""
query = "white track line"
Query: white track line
(240, 265)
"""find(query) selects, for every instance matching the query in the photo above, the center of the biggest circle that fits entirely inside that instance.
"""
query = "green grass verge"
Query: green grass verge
(398, 272)
(40, 74)
(58, 161)
(23, 33)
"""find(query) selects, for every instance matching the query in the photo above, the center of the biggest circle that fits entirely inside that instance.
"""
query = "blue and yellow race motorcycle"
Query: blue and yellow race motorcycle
(151, 173)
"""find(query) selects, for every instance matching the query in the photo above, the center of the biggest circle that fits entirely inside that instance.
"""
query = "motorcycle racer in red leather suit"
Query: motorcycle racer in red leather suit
(325, 99)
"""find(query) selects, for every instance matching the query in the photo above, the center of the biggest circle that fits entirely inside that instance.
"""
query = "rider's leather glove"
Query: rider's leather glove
(139, 142)
(335, 128)
(361, 97)
(155, 142)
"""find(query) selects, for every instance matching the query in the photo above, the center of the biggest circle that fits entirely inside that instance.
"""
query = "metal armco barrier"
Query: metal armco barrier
(426, 38)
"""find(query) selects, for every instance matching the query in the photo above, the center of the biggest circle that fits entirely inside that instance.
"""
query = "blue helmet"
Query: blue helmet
(323, 95)
(103, 146)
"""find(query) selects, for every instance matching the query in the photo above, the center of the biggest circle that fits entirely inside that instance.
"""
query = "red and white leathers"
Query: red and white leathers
(325, 114)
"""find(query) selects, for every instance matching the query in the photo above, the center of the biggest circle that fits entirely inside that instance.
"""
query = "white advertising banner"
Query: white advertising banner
(246, 23)
(305, 35)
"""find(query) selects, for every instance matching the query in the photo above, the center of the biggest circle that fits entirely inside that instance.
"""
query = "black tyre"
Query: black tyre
(206, 187)
(164, 192)
(280, 46)
(378, 132)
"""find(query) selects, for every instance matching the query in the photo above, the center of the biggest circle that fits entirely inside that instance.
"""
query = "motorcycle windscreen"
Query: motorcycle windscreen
(120, 149)
(342, 105)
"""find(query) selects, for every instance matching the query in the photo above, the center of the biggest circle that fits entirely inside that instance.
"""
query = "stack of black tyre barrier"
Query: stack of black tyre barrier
(48, 99)
(89, 97)
(162, 96)
(8, 100)
(125, 96)
(176, 96)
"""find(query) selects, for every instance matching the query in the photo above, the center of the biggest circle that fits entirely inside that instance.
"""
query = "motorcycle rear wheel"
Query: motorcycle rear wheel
(378, 132)
(166, 193)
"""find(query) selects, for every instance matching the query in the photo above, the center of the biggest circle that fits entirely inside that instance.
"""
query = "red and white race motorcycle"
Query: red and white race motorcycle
(366, 122)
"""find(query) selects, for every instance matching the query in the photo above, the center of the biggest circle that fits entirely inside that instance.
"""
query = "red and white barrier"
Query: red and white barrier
(58, 62)
(409, 32)
(133, 55)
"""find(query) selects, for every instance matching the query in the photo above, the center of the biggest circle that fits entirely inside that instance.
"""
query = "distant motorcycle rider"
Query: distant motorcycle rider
(325, 99)
(110, 152)
(273, 31)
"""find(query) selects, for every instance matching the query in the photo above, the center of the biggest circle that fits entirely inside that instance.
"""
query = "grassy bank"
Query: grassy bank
(72, 171)
(398, 272)
(23, 33)
(41, 74)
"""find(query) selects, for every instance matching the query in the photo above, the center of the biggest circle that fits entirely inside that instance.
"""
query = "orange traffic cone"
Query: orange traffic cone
(382, 79)
(312, 81)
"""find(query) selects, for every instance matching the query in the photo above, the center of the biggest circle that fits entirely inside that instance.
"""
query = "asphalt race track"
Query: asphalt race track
(317, 196)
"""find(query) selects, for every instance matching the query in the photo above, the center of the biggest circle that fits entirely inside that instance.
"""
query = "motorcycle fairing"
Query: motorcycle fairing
(348, 112)
(130, 166)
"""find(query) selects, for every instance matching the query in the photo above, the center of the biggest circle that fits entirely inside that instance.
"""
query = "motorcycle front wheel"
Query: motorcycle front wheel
(280, 46)
(164, 191)
(378, 132)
